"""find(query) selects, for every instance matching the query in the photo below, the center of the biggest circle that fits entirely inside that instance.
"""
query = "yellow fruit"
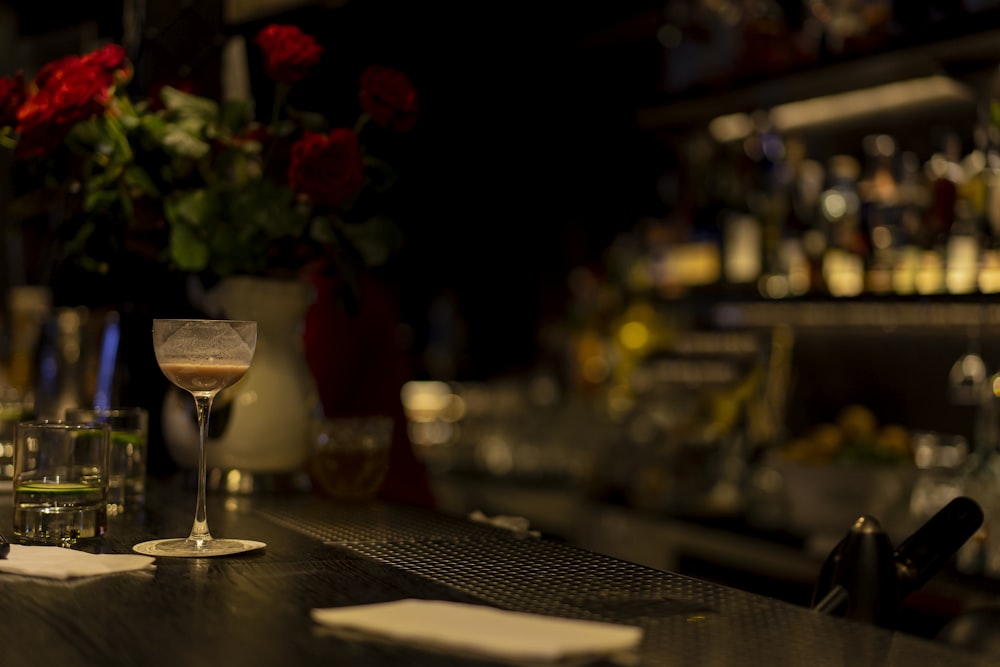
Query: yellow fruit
(826, 438)
(857, 422)
(895, 439)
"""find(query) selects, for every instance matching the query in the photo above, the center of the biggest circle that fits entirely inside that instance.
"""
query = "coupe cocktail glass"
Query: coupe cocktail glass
(202, 357)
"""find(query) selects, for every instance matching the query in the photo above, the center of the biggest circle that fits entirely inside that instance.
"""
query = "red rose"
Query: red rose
(288, 52)
(111, 60)
(12, 96)
(109, 57)
(389, 97)
(73, 92)
(54, 68)
(328, 169)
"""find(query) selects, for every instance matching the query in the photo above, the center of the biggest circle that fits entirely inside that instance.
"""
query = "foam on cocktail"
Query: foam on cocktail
(197, 341)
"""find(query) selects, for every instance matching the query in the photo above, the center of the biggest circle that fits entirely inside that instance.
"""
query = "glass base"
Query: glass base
(180, 547)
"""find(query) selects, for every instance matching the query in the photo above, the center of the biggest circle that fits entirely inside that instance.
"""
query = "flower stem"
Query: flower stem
(361, 122)
(280, 94)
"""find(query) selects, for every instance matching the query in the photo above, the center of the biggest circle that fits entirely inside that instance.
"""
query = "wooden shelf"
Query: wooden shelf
(965, 57)
(936, 315)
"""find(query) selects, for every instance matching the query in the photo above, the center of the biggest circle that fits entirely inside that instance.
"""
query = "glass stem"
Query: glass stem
(199, 529)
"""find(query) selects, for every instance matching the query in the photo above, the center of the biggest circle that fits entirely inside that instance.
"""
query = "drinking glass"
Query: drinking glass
(60, 481)
(202, 357)
(127, 453)
(350, 455)
(14, 407)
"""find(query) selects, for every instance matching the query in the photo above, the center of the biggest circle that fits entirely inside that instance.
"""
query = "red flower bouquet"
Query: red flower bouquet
(329, 169)
(218, 191)
(289, 53)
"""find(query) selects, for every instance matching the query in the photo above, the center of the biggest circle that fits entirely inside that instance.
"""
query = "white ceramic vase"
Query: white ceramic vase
(262, 424)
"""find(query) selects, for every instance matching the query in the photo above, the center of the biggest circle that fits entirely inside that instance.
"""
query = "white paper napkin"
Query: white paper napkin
(482, 630)
(62, 563)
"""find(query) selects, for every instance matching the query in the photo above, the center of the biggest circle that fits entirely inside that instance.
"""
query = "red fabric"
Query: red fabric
(360, 368)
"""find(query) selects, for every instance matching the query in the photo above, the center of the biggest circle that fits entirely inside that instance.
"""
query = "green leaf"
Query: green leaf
(129, 118)
(154, 127)
(28, 205)
(91, 132)
(312, 121)
(381, 175)
(323, 229)
(237, 166)
(269, 209)
(193, 208)
(236, 114)
(190, 120)
(374, 239)
(187, 106)
(187, 250)
(135, 177)
(128, 208)
(181, 142)
(286, 128)
(100, 200)
(77, 244)
(232, 253)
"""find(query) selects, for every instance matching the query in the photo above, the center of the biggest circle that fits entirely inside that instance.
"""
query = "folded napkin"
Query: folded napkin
(482, 630)
(62, 563)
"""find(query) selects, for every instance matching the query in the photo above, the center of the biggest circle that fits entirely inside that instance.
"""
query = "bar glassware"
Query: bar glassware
(60, 481)
(202, 357)
(350, 455)
(127, 455)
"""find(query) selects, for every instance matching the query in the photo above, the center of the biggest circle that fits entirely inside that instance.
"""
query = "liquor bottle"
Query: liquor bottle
(962, 251)
(61, 361)
(987, 139)
(30, 306)
(843, 260)
(880, 210)
(791, 196)
(914, 237)
(944, 173)
(806, 221)
(742, 231)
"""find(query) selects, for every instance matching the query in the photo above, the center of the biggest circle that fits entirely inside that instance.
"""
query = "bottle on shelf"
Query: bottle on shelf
(944, 174)
(913, 197)
(844, 259)
(741, 209)
(881, 214)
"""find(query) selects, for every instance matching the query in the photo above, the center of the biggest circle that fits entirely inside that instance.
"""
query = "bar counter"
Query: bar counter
(253, 609)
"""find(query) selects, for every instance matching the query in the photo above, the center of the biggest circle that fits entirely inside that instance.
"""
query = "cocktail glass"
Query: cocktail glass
(202, 357)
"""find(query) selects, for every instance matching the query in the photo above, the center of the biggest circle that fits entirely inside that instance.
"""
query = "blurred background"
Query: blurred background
(690, 282)
(525, 161)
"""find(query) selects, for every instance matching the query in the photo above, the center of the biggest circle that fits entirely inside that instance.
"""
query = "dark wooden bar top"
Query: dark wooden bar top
(253, 609)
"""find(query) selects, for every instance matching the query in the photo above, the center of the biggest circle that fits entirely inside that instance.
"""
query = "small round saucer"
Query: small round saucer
(174, 547)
